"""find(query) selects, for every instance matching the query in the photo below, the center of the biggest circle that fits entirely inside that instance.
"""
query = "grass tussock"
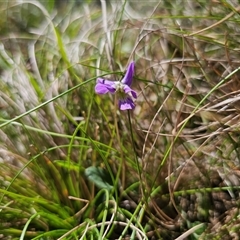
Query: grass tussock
(73, 166)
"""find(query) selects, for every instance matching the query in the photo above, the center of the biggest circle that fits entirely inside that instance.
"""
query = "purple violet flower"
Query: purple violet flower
(122, 88)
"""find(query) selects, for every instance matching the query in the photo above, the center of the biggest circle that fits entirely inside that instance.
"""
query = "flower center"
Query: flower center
(120, 90)
(119, 87)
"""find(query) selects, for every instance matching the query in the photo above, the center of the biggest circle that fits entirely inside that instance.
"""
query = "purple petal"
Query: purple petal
(128, 90)
(126, 104)
(104, 86)
(104, 81)
(129, 75)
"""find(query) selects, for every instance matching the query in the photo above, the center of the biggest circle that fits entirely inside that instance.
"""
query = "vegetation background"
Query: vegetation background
(72, 166)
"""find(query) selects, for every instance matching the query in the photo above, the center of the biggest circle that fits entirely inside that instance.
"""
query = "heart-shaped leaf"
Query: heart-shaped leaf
(100, 177)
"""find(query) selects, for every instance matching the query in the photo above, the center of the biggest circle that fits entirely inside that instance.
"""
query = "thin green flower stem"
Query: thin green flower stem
(121, 168)
(135, 154)
(183, 124)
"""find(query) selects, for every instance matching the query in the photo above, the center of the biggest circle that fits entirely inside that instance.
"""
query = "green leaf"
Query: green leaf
(100, 177)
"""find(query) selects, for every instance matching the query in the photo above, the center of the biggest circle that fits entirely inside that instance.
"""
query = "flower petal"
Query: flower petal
(105, 81)
(104, 86)
(128, 90)
(126, 104)
(129, 75)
